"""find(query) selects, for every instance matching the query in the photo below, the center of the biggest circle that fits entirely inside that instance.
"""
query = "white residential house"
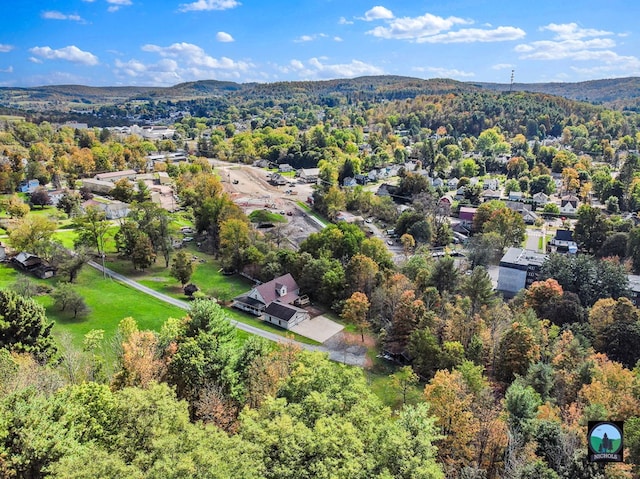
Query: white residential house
(563, 242)
(349, 181)
(460, 193)
(452, 183)
(438, 183)
(488, 195)
(308, 175)
(283, 289)
(491, 184)
(540, 198)
(569, 204)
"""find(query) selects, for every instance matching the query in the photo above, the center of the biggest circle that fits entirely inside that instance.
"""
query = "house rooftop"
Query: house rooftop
(269, 293)
(523, 257)
(564, 235)
(282, 311)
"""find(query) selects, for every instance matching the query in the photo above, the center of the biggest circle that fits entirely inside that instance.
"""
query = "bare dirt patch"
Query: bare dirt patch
(349, 348)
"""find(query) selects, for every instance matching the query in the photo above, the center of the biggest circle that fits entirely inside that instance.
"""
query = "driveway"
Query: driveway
(319, 328)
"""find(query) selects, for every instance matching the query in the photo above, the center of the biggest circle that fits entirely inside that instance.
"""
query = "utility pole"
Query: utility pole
(511, 84)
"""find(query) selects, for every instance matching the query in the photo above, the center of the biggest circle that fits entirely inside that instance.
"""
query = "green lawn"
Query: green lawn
(207, 276)
(109, 301)
(209, 279)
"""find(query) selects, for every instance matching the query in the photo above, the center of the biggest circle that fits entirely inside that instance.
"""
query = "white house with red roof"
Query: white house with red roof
(283, 289)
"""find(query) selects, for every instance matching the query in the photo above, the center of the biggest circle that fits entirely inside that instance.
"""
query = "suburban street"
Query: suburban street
(338, 351)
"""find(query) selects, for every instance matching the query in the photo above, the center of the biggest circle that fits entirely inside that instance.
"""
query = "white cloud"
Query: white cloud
(445, 72)
(205, 5)
(377, 13)
(472, 35)
(70, 53)
(55, 15)
(416, 28)
(629, 68)
(35, 60)
(571, 31)
(566, 49)
(115, 5)
(181, 62)
(310, 38)
(317, 68)
(4, 48)
(337, 39)
(7, 70)
(344, 21)
(502, 66)
(569, 42)
(224, 37)
(56, 78)
(194, 56)
(164, 72)
(573, 43)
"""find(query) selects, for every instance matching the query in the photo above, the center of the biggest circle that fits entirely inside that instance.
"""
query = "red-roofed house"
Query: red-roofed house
(283, 289)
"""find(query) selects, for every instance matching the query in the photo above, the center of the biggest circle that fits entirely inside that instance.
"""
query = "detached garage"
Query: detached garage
(284, 315)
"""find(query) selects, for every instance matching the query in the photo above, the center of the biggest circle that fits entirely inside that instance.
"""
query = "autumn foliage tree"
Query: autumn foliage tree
(517, 350)
(142, 362)
(541, 293)
(355, 311)
(451, 402)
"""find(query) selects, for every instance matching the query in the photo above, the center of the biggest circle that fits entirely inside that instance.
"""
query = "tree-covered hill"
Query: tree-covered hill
(615, 93)
(612, 92)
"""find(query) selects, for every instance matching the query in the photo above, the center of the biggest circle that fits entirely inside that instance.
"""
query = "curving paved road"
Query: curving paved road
(341, 353)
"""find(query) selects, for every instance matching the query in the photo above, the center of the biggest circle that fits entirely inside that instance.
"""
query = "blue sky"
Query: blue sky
(165, 42)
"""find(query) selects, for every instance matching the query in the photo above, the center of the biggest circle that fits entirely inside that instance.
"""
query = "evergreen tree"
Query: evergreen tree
(24, 327)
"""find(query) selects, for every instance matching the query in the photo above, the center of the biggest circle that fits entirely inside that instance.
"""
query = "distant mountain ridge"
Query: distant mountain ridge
(619, 93)
(611, 92)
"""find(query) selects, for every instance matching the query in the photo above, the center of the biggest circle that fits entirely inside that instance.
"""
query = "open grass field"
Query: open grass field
(109, 301)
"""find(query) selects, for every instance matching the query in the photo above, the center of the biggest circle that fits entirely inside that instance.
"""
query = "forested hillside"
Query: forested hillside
(207, 97)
